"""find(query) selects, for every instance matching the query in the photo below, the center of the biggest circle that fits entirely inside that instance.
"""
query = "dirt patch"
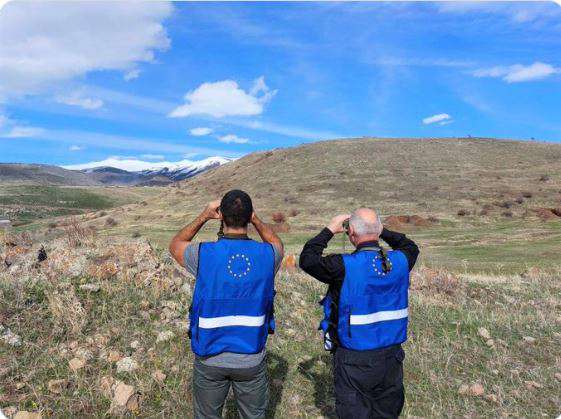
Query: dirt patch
(409, 220)
(548, 213)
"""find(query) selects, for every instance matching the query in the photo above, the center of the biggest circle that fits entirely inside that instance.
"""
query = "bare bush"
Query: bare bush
(293, 213)
(67, 309)
(76, 234)
(111, 222)
(436, 281)
(544, 178)
(507, 214)
(278, 217)
(463, 212)
(527, 194)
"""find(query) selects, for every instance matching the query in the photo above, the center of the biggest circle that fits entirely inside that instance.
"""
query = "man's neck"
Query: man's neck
(235, 231)
(367, 240)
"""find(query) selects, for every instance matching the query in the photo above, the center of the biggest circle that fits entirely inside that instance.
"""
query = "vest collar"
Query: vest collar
(232, 236)
(370, 245)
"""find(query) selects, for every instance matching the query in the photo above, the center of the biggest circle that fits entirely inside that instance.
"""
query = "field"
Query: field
(24, 203)
(485, 296)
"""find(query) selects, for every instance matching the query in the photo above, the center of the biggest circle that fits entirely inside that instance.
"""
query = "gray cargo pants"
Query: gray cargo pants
(211, 386)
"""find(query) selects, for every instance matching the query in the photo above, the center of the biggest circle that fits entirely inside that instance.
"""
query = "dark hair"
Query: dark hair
(236, 208)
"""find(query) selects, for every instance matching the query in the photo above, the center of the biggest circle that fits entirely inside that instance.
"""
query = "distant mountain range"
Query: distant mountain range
(109, 172)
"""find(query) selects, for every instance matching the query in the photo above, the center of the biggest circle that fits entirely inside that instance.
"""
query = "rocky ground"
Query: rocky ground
(93, 326)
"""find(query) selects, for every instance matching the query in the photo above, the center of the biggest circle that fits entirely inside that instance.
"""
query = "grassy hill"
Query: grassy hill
(485, 294)
(477, 197)
(43, 174)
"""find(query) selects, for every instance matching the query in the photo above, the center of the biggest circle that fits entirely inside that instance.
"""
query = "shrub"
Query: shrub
(507, 214)
(278, 217)
(293, 213)
(527, 194)
(505, 204)
(463, 212)
(52, 225)
(519, 200)
(110, 222)
(544, 178)
(102, 213)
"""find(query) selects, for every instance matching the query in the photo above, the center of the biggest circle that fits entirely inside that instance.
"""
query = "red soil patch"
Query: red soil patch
(407, 220)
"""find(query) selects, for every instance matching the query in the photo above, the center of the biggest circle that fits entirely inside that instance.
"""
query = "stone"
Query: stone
(135, 344)
(122, 393)
(557, 376)
(127, 365)
(531, 384)
(484, 333)
(165, 336)
(159, 376)
(76, 363)
(24, 414)
(492, 398)
(10, 338)
(90, 287)
(476, 389)
(114, 356)
(84, 354)
(106, 384)
(529, 339)
(57, 386)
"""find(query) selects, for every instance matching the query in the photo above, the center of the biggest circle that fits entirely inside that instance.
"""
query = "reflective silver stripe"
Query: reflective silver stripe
(213, 322)
(379, 316)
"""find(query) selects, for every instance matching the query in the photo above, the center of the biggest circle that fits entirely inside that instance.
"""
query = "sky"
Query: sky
(163, 82)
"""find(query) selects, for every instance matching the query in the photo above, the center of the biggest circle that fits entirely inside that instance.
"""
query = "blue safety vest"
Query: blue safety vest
(232, 308)
(373, 305)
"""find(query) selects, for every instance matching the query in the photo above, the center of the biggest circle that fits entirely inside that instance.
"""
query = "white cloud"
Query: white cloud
(48, 42)
(153, 156)
(232, 138)
(225, 98)
(200, 131)
(517, 12)
(76, 99)
(519, 73)
(10, 128)
(441, 118)
(75, 148)
(132, 74)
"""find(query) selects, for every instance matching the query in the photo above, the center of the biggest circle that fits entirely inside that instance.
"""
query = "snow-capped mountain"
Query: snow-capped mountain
(117, 171)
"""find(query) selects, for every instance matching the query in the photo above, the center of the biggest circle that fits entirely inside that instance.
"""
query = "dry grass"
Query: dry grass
(59, 322)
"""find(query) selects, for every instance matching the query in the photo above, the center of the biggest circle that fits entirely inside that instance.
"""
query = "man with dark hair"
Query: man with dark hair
(232, 308)
(365, 312)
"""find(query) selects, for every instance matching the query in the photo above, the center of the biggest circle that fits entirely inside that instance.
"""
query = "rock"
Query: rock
(90, 287)
(121, 394)
(114, 356)
(135, 344)
(9, 337)
(186, 288)
(530, 385)
(490, 343)
(492, 398)
(57, 386)
(133, 403)
(557, 376)
(23, 414)
(484, 333)
(76, 363)
(20, 385)
(477, 389)
(159, 376)
(127, 365)
(529, 339)
(10, 411)
(84, 354)
(165, 336)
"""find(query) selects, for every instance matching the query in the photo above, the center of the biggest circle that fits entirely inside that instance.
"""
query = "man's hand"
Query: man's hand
(336, 223)
(212, 211)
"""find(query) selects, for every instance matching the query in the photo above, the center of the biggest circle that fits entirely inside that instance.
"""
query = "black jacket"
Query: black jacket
(331, 270)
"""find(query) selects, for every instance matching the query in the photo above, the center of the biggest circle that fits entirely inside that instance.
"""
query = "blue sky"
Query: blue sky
(83, 82)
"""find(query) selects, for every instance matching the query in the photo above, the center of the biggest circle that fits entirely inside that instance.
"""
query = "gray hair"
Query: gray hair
(363, 227)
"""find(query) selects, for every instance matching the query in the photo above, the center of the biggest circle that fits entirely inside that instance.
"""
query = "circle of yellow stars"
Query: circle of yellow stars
(241, 257)
(379, 272)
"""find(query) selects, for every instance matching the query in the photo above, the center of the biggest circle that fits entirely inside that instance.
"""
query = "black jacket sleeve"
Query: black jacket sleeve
(398, 241)
(327, 269)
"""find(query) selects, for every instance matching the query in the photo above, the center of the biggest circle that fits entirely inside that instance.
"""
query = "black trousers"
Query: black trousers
(211, 386)
(369, 384)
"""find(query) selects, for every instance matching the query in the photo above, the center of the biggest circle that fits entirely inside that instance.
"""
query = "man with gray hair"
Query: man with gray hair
(365, 312)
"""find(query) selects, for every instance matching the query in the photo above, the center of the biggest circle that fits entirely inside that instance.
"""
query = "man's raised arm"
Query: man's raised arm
(182, 239)
(267, 234)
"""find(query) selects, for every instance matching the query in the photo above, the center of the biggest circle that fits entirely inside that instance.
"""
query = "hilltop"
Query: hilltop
(460, 196)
